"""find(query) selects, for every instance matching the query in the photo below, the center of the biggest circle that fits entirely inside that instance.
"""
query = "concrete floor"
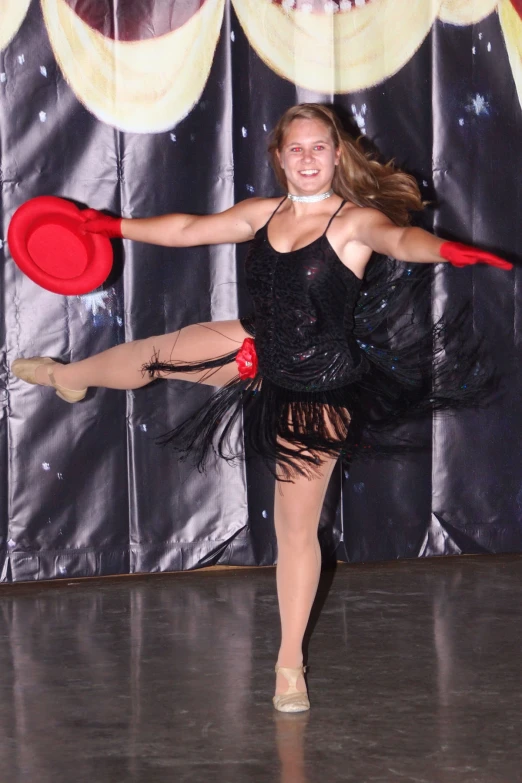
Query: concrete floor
(414, 676)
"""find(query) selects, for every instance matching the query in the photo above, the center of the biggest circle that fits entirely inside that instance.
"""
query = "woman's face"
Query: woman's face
(308, 157)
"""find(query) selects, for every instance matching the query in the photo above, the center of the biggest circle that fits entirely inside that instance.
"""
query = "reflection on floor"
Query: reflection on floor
(414, 676)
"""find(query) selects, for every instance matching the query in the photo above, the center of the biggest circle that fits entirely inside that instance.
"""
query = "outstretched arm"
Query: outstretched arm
(414, 245)
(180, 230)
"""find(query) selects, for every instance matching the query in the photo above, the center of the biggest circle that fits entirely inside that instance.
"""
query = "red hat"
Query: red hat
(45, 241)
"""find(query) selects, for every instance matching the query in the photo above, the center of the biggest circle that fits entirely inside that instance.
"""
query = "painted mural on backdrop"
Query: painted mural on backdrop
(145, 75)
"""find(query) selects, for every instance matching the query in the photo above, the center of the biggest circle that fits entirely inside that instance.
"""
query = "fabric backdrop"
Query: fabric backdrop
(150, 107)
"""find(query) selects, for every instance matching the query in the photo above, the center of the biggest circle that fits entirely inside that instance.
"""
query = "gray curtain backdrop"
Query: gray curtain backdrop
(84, 489)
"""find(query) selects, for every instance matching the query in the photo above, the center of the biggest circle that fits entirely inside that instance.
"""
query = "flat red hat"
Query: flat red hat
(47, 244)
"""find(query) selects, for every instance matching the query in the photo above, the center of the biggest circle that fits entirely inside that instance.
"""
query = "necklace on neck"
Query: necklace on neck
(311, 199)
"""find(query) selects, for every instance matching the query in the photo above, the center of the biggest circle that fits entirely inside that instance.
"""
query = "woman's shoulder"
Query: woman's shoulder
(258, 210)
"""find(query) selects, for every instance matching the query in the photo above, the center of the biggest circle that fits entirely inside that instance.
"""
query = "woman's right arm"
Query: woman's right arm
(237, 224)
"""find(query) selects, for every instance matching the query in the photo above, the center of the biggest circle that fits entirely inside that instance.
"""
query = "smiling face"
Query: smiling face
(308, 157)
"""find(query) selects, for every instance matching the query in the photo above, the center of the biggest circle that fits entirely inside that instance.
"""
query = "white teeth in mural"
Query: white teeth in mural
(330, 7)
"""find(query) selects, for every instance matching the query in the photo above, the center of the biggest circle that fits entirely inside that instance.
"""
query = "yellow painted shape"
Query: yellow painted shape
(138, 86)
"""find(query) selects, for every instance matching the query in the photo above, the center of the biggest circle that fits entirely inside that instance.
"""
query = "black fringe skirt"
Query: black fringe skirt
(409, 368)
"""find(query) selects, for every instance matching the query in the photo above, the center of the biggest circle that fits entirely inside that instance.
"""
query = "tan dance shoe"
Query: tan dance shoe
(293, 700)
(25, 369)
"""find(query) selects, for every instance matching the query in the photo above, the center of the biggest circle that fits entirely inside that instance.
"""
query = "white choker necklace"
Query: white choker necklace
(310, 199)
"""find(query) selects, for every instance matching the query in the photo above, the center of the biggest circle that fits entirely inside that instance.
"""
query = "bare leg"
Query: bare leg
(296, 514)
(121, 367)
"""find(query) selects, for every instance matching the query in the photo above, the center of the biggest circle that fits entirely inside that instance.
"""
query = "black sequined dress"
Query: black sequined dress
(333, 377)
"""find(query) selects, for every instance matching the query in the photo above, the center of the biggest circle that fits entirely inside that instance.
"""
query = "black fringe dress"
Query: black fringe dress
(342, 362)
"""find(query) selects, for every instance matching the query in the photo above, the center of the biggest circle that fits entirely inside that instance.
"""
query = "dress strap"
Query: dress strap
(341, 205)
(275, 210)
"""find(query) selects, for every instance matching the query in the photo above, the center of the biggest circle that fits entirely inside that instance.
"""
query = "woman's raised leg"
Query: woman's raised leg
(297, 510)
(121, 367)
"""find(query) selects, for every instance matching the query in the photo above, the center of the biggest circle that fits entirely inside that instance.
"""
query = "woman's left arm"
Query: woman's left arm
(414, 245)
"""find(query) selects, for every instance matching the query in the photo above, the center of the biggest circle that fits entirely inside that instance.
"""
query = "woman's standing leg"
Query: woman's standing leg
(297, 510)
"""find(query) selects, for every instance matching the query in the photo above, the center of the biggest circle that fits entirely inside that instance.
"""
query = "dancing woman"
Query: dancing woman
(297, 367)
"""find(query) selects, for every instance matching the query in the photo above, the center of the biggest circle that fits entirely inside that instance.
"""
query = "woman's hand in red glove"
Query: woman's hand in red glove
(463, 255)
(99, 223)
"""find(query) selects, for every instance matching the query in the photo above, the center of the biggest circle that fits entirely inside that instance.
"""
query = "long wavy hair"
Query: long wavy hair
(358, 177)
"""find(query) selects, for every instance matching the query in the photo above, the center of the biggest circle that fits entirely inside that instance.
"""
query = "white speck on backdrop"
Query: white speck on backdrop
(232, 36)
(43, 70)
(244, 132)
(173, 137)
(143, 427)
(46, 466)
(43, 116)
(489, 46)
(264, 514)
(3, 78)
(359, 116)
(481, 36)
(461, 121)
(250, 188)
(60, 476)
(264, 127)
(21, 59)
(119, 320)
(473, 50)
(1, 243)
(96, 301)
(478, 105)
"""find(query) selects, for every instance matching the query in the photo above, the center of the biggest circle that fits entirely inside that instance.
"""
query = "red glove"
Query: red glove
(463, 255)
(98, 223)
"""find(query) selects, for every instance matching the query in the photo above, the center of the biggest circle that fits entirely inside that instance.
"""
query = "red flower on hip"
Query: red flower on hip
(246, 359)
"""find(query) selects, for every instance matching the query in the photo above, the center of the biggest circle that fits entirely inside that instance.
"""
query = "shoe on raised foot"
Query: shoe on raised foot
(293, 700)
(25, 369)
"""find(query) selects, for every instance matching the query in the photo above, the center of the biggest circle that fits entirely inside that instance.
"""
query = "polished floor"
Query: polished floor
(415, 672)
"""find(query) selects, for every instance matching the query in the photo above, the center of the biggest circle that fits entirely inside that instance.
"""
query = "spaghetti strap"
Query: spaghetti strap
(334, 215)
(275, 210)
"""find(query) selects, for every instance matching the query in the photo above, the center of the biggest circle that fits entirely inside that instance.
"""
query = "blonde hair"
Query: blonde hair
(358, 177)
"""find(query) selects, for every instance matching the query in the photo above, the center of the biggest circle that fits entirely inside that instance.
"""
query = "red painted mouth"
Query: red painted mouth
(324, 6)
(141, 19)
(517, 5)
